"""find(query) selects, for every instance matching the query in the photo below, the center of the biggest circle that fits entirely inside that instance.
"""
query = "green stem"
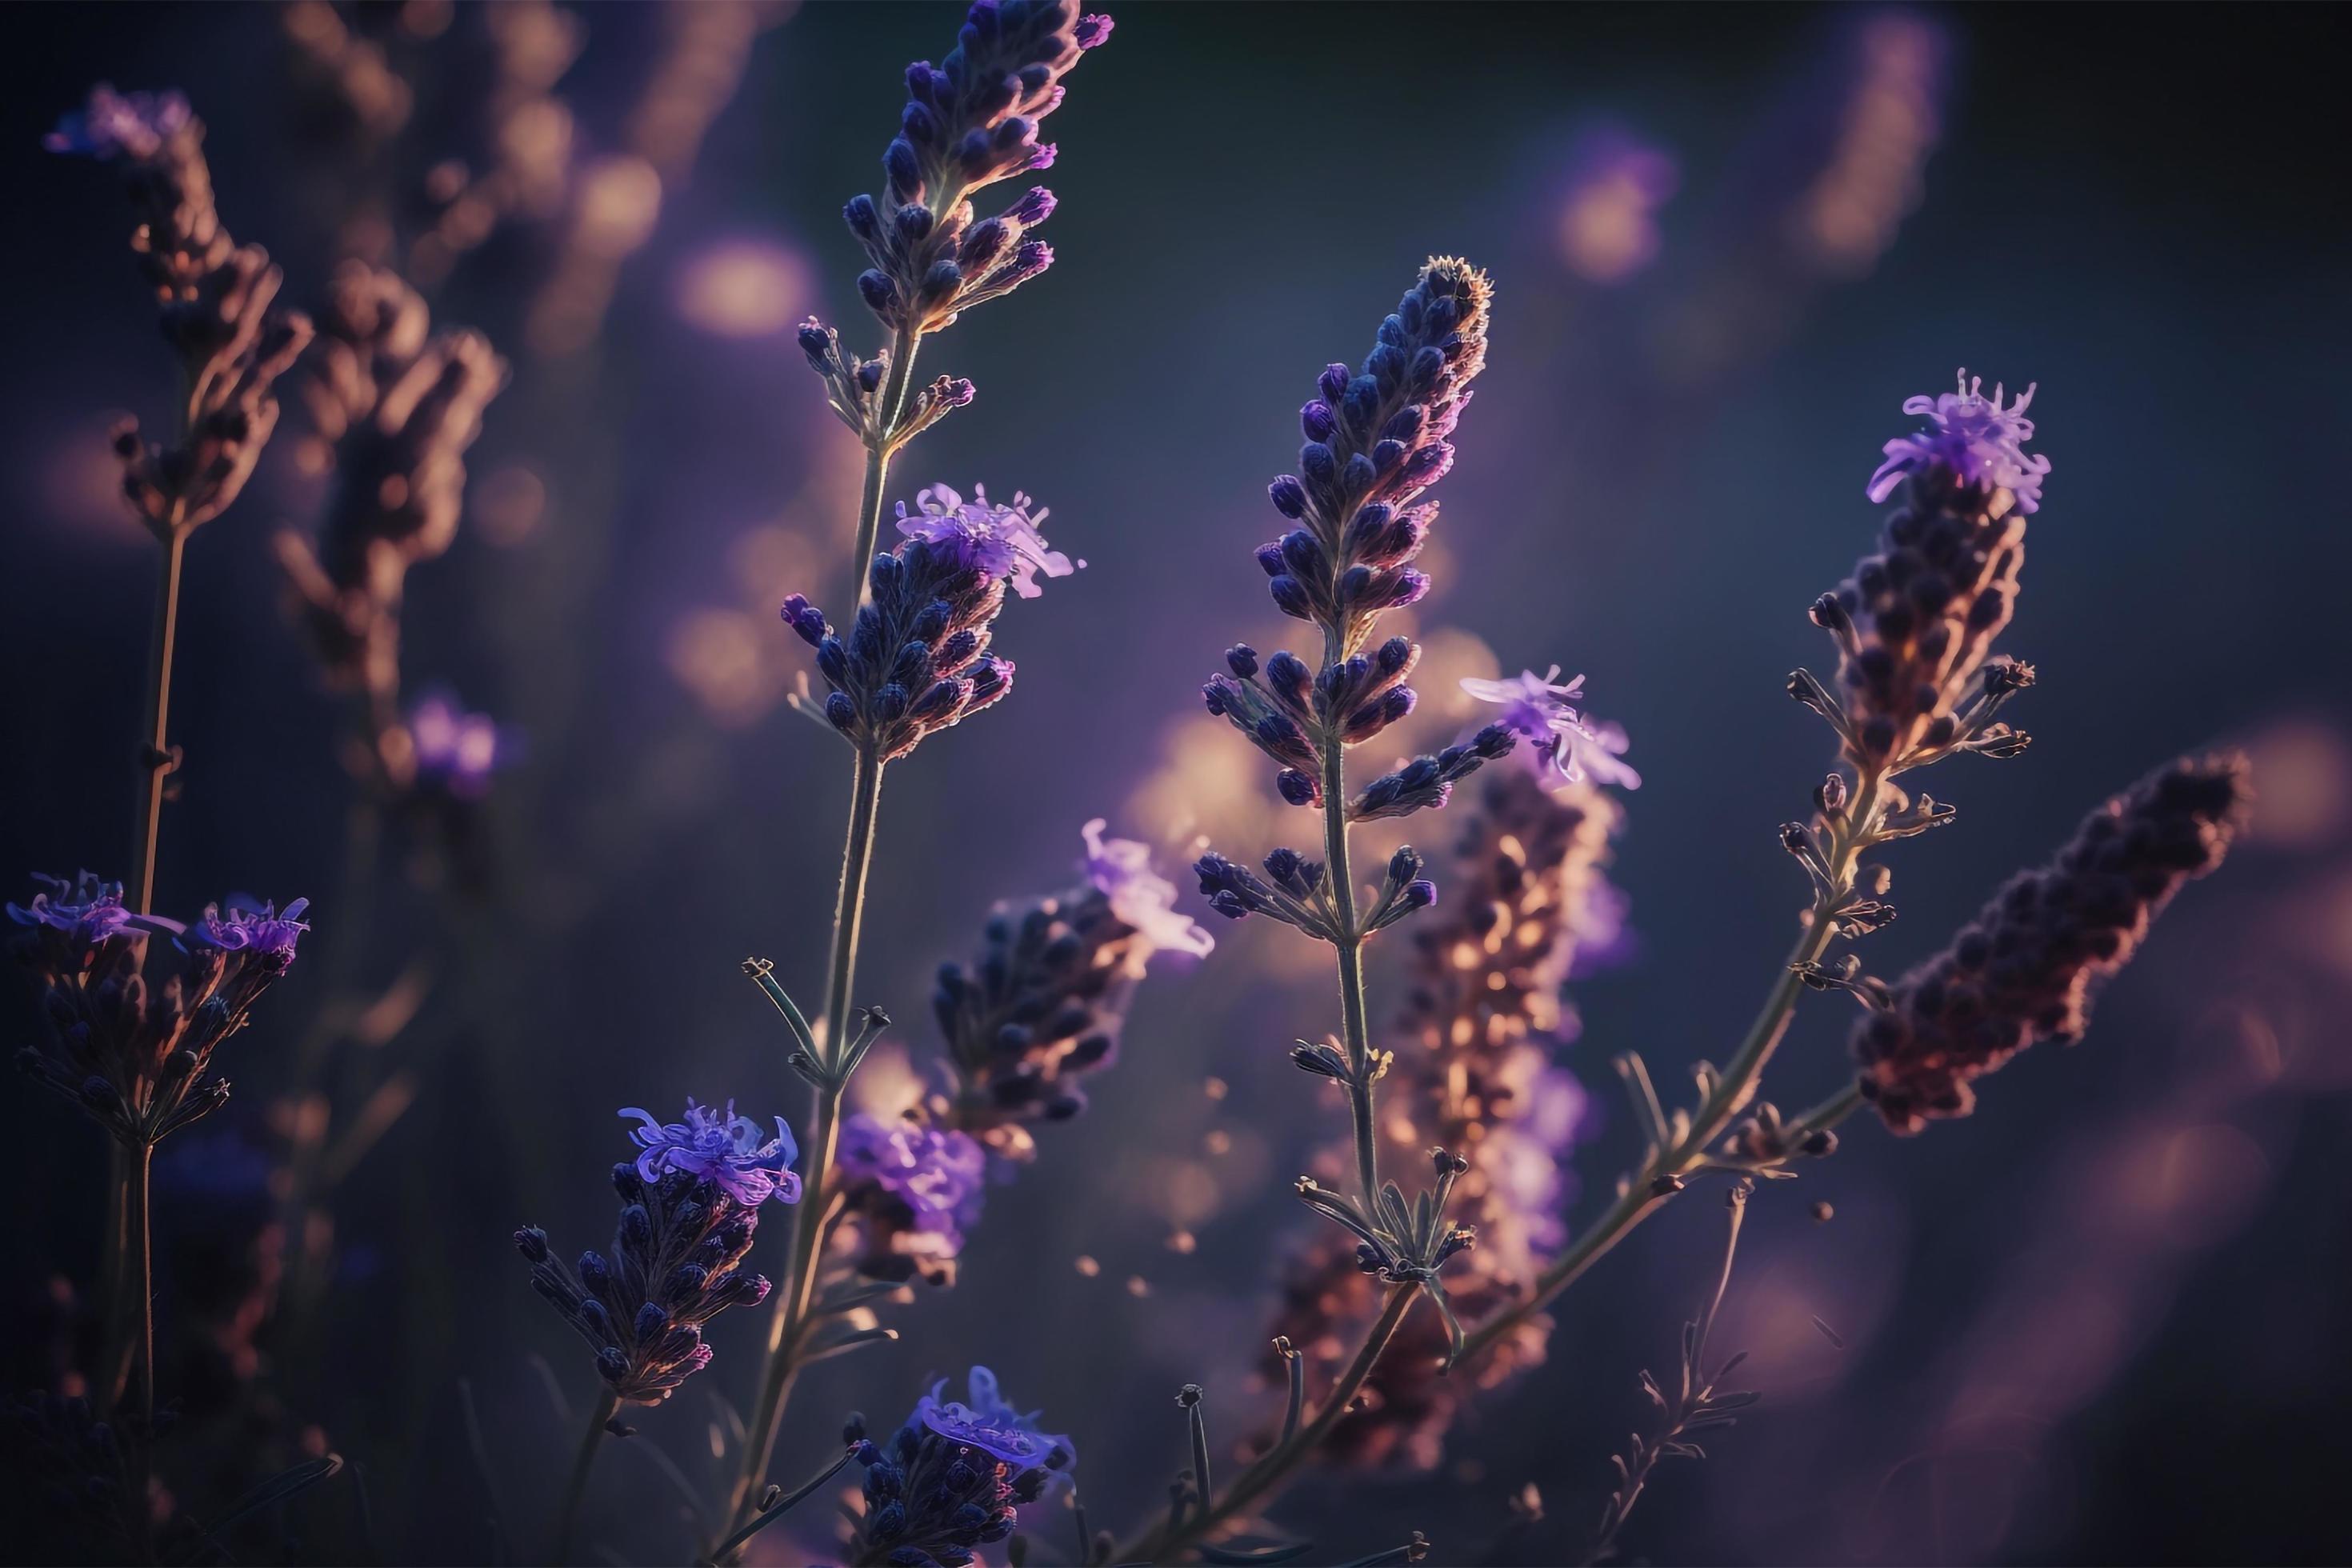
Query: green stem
(575, 1491)
(1356, 1033)
(155, 757)
(787, 1325)
(1275, 1466)
(879, 448)
(1648, 1190)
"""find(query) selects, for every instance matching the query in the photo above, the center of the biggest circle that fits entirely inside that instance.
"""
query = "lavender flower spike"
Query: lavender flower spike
(721, 1148)
(910, 1189)
(1977, 440)
(994, 541)
(1120, 869)
(1565, 746)
(952, 1477)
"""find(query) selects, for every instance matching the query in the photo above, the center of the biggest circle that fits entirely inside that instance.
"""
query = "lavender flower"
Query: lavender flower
(720, 1147)
(1917, 621)
(1120, 869)
(953, 1477)
(1565, 746)
(1376, 441)
(675, 1265)
(969, 121)
(399, 404)
(2024, 969)
(1974, 439)
(1042, 1007)
(994, 540)
(219, 310)
(911, 1192)
(136, 1056)
(917, 661)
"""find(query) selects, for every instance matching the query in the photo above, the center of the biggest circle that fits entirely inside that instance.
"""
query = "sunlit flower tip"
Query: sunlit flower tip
(264, 933)
(1565, 745)
(1973, 438)
(912, 1190)
(990, 1425)
(994, 540)
(85, 910)
(1534, 705)
(121, 124)
(1120, 869)
(456, 751)
(722, 1148)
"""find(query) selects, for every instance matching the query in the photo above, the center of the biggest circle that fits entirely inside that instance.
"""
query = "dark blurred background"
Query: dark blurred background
(2101, 1321)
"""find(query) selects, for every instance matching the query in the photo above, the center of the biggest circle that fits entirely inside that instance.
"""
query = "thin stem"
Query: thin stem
(879, 448)
(1852, 833)
(1356, 1033)
(791, 1314)
(575, 1491)
(140, 1281)
(155, 755)
(1275, 1465)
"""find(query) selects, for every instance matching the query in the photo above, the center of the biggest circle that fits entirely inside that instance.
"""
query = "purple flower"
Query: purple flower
(456, 751)
(263, 931)
(722, 1148)
(85, 910)
(121, 124)
(939, 1176)
(1568, 746)
(994, 540)
(993, 1426)
(1976, 439)
(1120, 869)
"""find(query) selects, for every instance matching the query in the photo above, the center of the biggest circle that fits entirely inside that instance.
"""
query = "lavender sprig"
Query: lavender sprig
(689, 1207)
(1376, 441)
(952, 1477)
(915, 660)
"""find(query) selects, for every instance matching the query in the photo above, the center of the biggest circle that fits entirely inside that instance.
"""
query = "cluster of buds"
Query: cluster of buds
(1915, 622)
(2023, 970)
(952, 1477)
(969, 121)
(1298, 895)
(1403, 1243)
(916, 661)
(136, 1056)
(397, 404)
(220, 312)
(1037, 1012)
(675, 1264)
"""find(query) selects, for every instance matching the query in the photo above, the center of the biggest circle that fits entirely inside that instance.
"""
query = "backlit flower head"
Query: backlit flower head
(1973, 438)
(721, 1147)
(84, 911)
(135, 1046)
(953, 1477)
(113, 124)
(264, 933)
(1565, 746)
(1120, 869)
(1041, 1008)
(994, 540)
(911, 1191)
(985, 1421)
(676, 1262)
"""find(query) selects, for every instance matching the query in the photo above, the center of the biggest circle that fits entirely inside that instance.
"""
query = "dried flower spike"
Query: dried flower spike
(2024, 969)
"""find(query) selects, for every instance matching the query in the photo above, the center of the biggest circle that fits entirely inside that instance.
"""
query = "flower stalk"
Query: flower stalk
(575, 1491)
